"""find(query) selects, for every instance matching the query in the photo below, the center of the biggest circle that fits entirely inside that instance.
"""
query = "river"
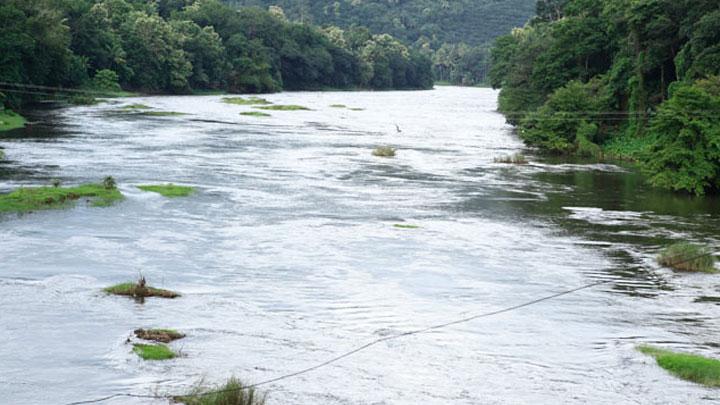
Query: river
(288, 255)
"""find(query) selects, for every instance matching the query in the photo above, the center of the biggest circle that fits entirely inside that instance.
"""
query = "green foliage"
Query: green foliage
(690, 367)
(405, 226)
(153, 352)
(430, 22)
(10, 120)
(106, 80)
(688, 257)
(684, 136)
(233, 392)
(556, 125)
(169, 190)
(39, 198)
(586, 75)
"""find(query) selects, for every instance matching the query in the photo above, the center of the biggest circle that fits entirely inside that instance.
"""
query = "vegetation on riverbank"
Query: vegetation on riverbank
(690, 367)
(168, 190)
(153, 351)
(140, 290)
(27, 199)
(233, 392)
(688, 257)
(405, 226)
(158, 335)
(10, 120)
(636, 80)
(89, 48)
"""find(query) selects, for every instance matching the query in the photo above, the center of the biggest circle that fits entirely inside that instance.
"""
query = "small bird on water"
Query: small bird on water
(397, 127)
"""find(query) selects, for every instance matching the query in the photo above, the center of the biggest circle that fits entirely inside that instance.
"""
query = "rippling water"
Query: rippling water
(288, 256)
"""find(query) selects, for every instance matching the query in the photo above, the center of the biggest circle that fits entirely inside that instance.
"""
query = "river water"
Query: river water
(288, 255)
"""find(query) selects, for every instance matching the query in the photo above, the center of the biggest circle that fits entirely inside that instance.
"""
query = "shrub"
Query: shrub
(109, 183)
(684, 146)
(106, 80)
(688, 257)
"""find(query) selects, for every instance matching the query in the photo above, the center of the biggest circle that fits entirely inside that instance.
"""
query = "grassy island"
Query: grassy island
(289, 107)
(158, 335)
(168, 190)
(690, 367)
(233, 392)
(140, 290)
(688, 257)
(27, 199)
(245, 101)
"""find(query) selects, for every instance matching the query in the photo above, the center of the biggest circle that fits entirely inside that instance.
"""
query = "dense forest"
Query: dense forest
(176, 46)
(456, 34)
(630, 78)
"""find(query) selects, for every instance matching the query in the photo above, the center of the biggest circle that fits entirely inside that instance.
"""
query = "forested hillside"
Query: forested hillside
(474, 22)
(457, 34)
(632, 78)
(175, 46)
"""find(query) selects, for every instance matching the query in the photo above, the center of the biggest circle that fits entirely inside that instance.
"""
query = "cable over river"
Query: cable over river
(300, 245)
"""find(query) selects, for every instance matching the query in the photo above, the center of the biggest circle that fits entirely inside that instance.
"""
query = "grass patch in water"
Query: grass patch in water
(10, 120)
(690, 367)
(356, 109)
(39, 198)
(140, 290)
(288, 107)
(162, 113)
(384, 151)
(245, 101)
(338, 106)
(168, 190)
(688, 257)
(233, 392)
(403, 226)
(516, 159)
(255, 114)
(153, 352)
(158, 335)
(137, 107)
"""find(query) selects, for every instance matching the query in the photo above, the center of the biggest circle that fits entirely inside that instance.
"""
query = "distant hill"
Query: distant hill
(473, 22)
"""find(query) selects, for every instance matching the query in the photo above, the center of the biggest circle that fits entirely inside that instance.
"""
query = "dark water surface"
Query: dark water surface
(288, 256)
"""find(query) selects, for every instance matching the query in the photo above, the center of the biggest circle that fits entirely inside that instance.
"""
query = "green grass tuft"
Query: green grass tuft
(162, 113)
(384, 151)
(255, 114)
(290, 107)
(137, 291)
(137, 107)
(233, 392)
(690, 367)
(516, 159)
(10, 120)
(153, 352)
(356, 109)
(39, 198)
(688, 257)
(403, 226)
(245, 101)
(169, 190)
(338, 106)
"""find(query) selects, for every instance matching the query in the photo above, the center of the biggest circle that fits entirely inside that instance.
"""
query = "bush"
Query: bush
(684, 142)
(106, 80)
(688, 257)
